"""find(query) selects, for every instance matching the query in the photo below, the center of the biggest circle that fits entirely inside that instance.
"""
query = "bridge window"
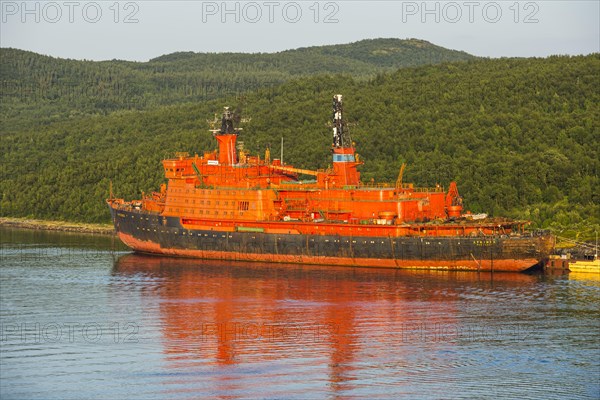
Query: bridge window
(343, 158)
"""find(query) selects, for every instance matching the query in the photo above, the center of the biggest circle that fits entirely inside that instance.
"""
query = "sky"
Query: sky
(142, 30)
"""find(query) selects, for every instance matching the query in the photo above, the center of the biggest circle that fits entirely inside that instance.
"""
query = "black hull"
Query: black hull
(152, 233)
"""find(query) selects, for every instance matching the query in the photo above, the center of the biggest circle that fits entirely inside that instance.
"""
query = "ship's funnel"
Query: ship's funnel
(227, 152)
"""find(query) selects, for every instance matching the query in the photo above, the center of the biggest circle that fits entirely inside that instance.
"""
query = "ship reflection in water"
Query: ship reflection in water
(242, 329)
(81, 319)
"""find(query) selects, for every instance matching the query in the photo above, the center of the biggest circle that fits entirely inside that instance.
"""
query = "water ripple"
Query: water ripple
(133, 326)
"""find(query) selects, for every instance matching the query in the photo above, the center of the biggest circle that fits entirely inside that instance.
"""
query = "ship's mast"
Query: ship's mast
(227, 122)
(344, 160)
(226, 137)
(340, 137)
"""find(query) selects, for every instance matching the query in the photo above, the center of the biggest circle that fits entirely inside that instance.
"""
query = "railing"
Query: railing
(387, 185)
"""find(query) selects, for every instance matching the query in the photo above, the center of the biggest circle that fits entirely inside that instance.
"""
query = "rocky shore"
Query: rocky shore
(24, 223)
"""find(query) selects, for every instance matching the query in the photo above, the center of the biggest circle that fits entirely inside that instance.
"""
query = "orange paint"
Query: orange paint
(224, 192)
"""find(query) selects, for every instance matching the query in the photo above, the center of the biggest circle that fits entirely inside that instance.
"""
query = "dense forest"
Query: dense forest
(41, 89)
(520, 137)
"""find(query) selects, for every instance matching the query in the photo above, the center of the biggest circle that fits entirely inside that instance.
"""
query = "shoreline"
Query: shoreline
(62, 226)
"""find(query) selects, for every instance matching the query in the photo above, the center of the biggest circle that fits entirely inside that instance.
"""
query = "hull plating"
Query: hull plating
(151, 233)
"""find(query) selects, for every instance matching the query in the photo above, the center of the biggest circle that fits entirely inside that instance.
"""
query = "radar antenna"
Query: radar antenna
(229, 122)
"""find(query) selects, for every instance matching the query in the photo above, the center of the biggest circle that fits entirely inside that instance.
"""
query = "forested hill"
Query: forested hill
(366, 56)
(41, 89)
(520, 136)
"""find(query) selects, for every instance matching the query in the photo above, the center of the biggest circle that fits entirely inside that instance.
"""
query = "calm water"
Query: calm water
(83, 318)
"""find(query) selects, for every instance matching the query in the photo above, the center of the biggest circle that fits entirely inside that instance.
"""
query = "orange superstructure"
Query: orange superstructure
(249, 197)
